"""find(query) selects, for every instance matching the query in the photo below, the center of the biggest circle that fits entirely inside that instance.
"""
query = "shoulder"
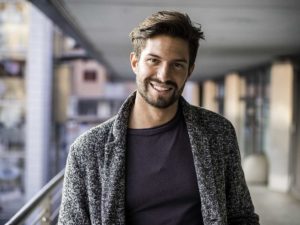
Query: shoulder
(209, 119)
(93, 140)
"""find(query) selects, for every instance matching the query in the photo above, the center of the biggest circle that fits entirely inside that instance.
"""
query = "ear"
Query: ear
(191, 69)
(134, 62)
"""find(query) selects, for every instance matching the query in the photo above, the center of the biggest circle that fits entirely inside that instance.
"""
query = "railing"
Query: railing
(44, 207)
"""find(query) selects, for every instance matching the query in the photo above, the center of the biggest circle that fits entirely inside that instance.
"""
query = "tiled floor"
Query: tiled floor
(275, 208)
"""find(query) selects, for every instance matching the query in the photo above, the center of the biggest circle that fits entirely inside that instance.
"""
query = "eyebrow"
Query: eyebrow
(175, 60)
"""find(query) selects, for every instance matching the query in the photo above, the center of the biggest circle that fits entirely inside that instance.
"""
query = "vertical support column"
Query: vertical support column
(62, 94)
(232, 105)
(191, 93)
(281, 111)
(209, 95)
(39, 89)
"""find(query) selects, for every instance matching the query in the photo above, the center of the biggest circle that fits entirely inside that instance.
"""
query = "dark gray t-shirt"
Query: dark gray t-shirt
(161, 183)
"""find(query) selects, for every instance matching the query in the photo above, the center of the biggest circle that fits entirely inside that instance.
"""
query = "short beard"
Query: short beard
(162, 103)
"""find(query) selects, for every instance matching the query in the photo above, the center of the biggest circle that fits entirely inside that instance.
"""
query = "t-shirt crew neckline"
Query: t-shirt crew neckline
(158, 129)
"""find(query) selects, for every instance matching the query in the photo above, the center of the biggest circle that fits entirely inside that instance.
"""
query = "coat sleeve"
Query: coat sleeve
(74, 205)
(240, 209)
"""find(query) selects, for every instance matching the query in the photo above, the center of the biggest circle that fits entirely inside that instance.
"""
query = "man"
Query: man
(159, 160)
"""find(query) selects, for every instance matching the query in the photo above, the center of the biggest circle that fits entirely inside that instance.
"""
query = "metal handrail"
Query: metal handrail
(26, 211)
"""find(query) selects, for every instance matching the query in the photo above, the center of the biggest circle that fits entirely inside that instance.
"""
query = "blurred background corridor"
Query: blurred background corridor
(64, 68)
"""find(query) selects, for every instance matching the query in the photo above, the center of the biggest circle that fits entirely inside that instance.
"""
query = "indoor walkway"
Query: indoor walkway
(275, 208)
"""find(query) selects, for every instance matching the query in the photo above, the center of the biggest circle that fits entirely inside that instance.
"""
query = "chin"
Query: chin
(160, 102)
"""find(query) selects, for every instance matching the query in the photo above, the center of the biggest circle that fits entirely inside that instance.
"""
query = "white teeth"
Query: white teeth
(160, 87)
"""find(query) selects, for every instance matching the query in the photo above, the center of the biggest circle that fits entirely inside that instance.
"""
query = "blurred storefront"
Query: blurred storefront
(13, 46)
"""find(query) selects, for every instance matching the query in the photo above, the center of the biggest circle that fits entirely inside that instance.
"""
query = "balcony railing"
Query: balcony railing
(44, 207)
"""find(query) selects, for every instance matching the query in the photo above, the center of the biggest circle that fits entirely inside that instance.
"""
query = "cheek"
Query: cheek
(181, 79)
(145, 71)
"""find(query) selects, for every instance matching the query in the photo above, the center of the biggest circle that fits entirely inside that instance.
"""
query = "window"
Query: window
(257, 111)
(90, 75)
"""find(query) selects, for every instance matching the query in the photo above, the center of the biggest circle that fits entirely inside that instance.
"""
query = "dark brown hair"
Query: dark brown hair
(170, 23)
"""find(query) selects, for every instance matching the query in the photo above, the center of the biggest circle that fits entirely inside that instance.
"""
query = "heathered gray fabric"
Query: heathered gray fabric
(94, 184)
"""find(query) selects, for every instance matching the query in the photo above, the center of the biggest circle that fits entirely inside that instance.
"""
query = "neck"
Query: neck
(144, 115)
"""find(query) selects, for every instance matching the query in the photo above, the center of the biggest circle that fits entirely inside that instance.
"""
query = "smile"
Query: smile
(160, 87)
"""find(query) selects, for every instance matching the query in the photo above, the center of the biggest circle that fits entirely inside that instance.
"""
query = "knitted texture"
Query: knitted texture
(94, 183)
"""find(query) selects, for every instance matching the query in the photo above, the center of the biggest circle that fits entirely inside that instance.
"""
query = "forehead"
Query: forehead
(164, 45)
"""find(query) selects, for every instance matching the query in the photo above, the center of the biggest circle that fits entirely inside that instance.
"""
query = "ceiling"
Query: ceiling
(240, 34)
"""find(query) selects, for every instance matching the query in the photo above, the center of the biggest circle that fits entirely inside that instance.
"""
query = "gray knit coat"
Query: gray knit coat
(94, 183)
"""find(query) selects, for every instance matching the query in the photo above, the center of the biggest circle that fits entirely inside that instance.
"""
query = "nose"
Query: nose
(163, 73)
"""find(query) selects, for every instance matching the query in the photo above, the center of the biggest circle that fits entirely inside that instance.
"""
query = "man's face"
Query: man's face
(162, 70)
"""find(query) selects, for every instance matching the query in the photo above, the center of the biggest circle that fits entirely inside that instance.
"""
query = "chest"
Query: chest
(161, 177)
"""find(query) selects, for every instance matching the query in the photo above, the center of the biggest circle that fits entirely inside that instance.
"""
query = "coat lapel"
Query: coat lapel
(113, 185)
(113, 171)
(204, 166)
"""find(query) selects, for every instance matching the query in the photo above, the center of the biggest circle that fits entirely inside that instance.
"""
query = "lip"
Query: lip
(161, 87)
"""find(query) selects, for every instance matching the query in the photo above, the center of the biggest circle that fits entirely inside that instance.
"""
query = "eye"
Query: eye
(152, 61)
(178, 66)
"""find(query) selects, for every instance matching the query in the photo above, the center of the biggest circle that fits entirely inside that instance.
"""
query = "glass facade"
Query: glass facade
(295, 156)
(220, 94)
(256, 101)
